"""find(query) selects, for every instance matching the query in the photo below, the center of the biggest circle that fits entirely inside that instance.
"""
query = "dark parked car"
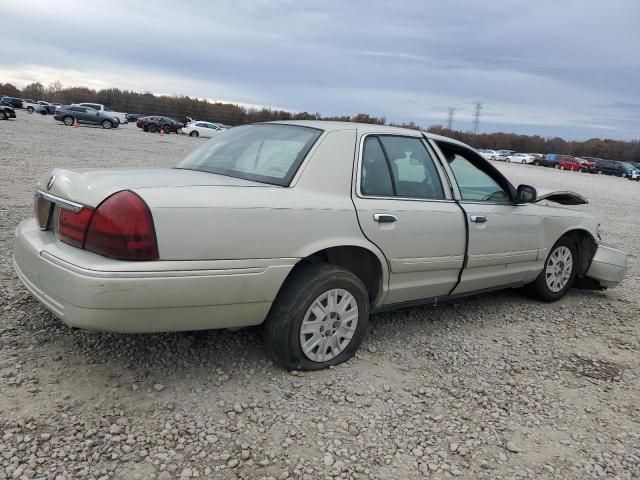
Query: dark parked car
(12, 102)
(548, 160)
(7, 112)
(132, 117)
(70, 113)
(155, 123)
(619, 169)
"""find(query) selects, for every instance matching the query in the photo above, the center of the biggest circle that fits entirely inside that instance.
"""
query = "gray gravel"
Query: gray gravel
(496, 386)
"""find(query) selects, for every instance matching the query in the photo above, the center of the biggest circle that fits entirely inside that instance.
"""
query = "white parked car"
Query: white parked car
(520, 158)
(307, 227)
(202, 129)
(119, 116)
(487, 154)
(503, 154)
(30, 105)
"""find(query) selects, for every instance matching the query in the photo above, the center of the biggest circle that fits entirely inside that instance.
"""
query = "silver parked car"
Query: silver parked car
(307, 227)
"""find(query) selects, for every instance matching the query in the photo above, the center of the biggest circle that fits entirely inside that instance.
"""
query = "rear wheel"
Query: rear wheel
(166, 130)
(194, 134)
(523, 161)
(561, 167)
(30, 109)
(107, 124)
(153, 128)
(559, 271)
(5, 115)
(145, 128)
(68, 120)
(318, 319)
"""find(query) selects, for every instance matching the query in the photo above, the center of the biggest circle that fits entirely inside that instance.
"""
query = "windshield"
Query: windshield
(268, 153)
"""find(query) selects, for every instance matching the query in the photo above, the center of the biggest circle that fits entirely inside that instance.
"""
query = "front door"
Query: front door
(403, 208)
(505, 239)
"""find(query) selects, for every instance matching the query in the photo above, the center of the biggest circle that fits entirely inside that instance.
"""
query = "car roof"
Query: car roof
(366, 128)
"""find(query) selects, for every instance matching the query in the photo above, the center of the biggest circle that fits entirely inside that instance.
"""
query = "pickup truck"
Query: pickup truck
(121, 117)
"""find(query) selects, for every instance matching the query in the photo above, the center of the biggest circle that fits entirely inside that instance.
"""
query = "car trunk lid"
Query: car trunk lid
(89, 187)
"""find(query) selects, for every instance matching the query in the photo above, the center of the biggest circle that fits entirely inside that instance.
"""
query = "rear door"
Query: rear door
(505, 239)
(404, 208)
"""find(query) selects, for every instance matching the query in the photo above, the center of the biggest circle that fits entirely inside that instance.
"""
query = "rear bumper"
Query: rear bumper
(91, 292)
(608, 267)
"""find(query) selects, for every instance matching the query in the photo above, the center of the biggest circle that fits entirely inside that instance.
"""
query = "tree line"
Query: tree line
(182, 106)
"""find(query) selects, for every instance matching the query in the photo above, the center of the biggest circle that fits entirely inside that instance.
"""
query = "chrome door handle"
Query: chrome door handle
(478, 218)
(384, 218)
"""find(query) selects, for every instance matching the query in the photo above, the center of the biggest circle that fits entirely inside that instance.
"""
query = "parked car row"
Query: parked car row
(630, 170)
(193, 128)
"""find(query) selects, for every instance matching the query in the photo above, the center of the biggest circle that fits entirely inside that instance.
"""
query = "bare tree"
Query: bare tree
(452, 112)
(477, 112)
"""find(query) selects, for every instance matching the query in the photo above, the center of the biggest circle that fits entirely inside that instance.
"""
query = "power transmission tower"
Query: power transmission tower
(452, 112)
(477, 112)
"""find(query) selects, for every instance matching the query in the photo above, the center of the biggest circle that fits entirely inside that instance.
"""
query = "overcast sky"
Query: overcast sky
(554, 67)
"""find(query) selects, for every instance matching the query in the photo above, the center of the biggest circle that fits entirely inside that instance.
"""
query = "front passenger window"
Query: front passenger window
(474, 184)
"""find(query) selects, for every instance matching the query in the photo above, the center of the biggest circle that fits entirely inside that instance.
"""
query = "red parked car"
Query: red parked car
(567, 162)
(155, 123)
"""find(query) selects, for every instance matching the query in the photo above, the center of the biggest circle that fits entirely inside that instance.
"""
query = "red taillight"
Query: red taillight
(122, 227)
(72, 226)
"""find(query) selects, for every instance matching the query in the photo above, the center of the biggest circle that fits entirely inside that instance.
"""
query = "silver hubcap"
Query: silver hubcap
(559, 268)
(328, 325)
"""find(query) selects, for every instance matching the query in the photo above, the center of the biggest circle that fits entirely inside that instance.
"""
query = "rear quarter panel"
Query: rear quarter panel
(214, 222)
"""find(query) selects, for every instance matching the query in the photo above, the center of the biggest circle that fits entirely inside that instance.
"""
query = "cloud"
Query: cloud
(566, 67)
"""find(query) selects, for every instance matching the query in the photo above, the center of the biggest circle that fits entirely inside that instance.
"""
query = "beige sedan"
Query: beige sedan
(307, 227)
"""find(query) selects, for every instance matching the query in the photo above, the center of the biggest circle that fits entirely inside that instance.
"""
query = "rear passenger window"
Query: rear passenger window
(399, 166)
(376, 177)
(414, 173)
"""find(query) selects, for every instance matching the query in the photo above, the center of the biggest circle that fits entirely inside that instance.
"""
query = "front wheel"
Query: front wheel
(318, 319)
(68, 120)
(106, 124)
(194, 134)
(561, 167)
(30, 109)
(523, 162)
(559, 271)
(166, 130)
(153, 129)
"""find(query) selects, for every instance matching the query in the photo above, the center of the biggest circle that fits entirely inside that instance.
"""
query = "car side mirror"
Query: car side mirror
(526, 194)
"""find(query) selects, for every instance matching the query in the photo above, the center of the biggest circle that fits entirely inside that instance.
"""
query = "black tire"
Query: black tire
(194, 134)
(536, 163)
(145, 128)
(107, 124)
(68, 120)
(303, 286)
(5, 115)
(539, 289)
(166, 130)
(30, 109)
(153, 128)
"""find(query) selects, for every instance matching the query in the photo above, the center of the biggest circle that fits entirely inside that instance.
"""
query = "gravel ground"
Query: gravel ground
(496, 386)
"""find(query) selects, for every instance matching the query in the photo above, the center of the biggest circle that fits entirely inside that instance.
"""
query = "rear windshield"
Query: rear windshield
(268, 153)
